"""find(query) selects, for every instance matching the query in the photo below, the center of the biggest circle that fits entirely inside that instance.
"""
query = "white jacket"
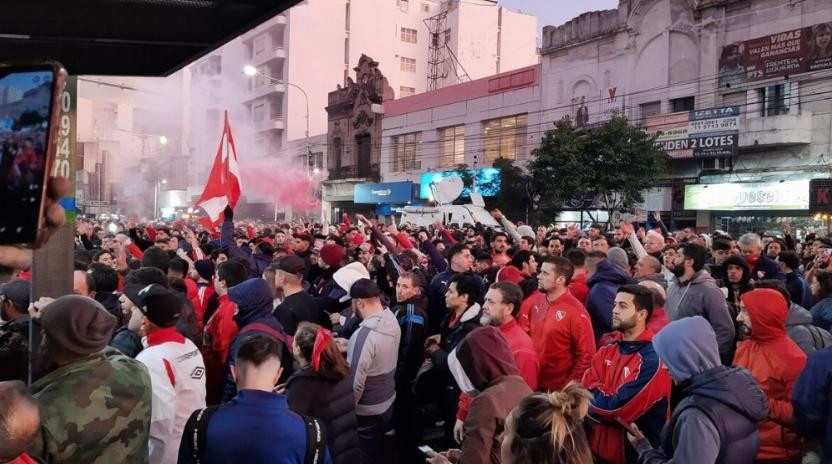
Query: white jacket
(177, 377)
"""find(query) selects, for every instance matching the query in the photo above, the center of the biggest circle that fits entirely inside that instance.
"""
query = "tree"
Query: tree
(614, 163)
(514, 195)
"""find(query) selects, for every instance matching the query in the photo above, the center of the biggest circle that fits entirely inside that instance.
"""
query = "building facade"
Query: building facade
(736, 88)
(473, 123)
(354, 137)
(423, 44)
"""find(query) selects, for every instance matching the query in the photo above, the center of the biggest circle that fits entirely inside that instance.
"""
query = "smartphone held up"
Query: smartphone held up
(29, 109)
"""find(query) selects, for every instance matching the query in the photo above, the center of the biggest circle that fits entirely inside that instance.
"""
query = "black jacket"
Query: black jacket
(331, 402)
(413, 321)
(111, 304)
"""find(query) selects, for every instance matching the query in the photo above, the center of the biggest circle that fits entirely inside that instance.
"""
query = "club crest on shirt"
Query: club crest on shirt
(560, 315)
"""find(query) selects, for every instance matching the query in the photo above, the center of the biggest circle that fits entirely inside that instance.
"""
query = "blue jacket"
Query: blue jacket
(766, 268)
(811, 401)
(603, 285)
(255, 427)
(254, 306)
(822, 313)
(799, 290)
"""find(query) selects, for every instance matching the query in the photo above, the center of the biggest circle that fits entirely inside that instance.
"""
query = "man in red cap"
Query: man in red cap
(332, 258)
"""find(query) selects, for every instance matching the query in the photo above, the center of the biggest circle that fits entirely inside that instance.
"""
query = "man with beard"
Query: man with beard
(95, 402)
(499, 247)
(641, 394)
(693, 292)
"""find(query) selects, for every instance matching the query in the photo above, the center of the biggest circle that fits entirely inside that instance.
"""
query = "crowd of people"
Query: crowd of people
(373, 343)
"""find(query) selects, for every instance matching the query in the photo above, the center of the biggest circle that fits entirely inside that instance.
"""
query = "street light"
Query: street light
(163, 140)
(252, 71)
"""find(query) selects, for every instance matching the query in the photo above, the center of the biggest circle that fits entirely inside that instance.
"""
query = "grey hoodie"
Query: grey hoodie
(701, 297)
(689, 350)
(800, 327)
(373, 353)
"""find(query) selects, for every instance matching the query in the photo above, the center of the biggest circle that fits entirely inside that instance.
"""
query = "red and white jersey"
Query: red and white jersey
(177, 377)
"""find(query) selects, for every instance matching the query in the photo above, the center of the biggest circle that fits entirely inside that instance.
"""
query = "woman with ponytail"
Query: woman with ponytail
(547, 428)
(322, 388)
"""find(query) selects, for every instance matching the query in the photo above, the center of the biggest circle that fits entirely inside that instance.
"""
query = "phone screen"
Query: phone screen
(25, 116)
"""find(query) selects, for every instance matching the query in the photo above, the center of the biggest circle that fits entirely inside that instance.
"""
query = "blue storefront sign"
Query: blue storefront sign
(384, 193)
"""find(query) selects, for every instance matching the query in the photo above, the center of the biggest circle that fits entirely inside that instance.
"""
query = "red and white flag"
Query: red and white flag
(223, 186)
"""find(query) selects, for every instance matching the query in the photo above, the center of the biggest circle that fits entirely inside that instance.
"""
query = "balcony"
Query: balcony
(276, 24)
(266, 56)
(780, 130)
(263, 90)
(276, 123)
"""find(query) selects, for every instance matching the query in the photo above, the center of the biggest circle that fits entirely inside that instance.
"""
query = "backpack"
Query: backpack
(196, 429)
(820, 338)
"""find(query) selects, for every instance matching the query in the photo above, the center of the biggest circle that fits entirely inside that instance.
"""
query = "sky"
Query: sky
(557, 12)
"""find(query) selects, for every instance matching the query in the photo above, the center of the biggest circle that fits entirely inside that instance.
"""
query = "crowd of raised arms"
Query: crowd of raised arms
(372, 343)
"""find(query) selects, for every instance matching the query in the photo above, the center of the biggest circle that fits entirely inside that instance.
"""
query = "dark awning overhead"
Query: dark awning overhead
(126, 37)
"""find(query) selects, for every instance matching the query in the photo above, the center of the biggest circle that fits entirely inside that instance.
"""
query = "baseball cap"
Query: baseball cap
(293, 264)
(17, 291)
(510, 274)
(160, 305)
(364, 288)
(347, 276)
(304, 236)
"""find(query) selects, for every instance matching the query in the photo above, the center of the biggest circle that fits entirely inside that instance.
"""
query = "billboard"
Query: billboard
(786, 195)
(706, 133)
(487, 179)
(383, 193)
(776, 55)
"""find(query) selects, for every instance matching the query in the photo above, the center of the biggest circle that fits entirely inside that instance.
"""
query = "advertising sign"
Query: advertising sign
(487, 179)
(820, 195)
(776, 55)
(384, 193)
(788, 195)
(708, 133)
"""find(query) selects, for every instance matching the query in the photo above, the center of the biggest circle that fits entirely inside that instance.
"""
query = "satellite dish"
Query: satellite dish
(447, 190)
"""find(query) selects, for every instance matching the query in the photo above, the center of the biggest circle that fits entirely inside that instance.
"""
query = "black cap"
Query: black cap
(293, 264)
(17, 291)
(364, 288)
(160, 305)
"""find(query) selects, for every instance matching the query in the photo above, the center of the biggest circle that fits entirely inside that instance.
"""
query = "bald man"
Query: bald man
(19, 422)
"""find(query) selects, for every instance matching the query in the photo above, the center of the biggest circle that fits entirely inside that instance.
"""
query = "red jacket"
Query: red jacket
(524, 354)
(579, 288)
(775, 362)
(627, 381)
(204, 292)
(562, 335)
(658, 320)
(219, 333)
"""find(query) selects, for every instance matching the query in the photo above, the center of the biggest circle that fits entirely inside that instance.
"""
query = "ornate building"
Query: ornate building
(354, 114)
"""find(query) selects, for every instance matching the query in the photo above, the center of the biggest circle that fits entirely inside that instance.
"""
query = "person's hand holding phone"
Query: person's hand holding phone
(17, 257)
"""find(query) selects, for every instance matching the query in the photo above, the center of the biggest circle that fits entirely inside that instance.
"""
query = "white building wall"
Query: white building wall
(518, 47)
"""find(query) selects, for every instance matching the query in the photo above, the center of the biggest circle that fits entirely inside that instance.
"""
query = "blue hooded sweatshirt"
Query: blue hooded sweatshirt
(254, 317)
(689, 349)
(603, 285)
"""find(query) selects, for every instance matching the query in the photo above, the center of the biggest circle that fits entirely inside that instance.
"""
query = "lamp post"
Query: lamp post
(251, 71)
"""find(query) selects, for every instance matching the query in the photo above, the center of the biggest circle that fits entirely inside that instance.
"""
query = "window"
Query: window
(408, 65)
(406, 152)
(406, 91)
(505, 137)
(774, 99)
(682, 104)
(451, 146)
(404, 5)
(257, 112)
(347, 51)
(650, 109)
(447, 36)
(408, 35)
(425, 8)
(347, 18)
